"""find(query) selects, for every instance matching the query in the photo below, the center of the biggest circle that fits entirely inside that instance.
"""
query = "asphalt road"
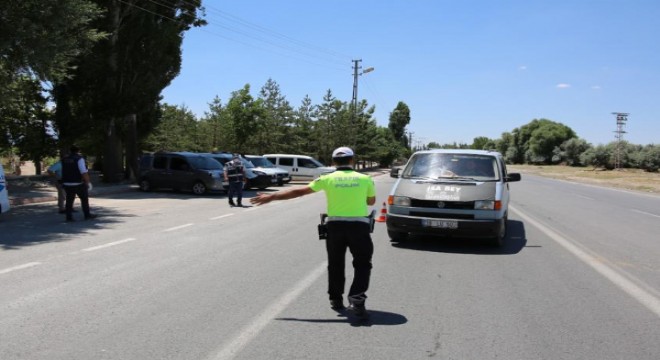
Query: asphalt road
(174, 276)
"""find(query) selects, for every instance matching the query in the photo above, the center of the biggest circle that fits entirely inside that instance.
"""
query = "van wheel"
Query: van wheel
(396, 236)
(280, 182)
(498, 241)
(145, 185)
(199, 188)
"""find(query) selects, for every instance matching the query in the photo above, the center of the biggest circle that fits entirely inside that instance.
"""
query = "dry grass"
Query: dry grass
(630, 179)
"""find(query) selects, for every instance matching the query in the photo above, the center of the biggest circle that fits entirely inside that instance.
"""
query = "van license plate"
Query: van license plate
(442, 224)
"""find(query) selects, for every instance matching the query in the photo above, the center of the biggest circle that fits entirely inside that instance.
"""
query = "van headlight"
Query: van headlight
(487, 205)
(484, 205)
(400, 201)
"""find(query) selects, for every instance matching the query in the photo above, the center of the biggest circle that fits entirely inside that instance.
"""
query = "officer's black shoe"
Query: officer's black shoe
(337, 304)
(231, 203)
(359, 310)
(240, 205)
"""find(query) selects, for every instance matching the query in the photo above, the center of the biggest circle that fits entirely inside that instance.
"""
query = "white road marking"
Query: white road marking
(644, 297)
(178, 227)
(645, 213)
(584, 197)
(108, 244)
(221, 216)
(249, 332)
(19, 267)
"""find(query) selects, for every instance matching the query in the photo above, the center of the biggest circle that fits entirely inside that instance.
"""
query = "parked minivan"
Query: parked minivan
(180, 171)
(463, 193)
(300, 167)
(4, 194)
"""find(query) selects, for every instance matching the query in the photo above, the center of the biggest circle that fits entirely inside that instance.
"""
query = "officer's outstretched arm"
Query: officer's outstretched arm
(262, 198)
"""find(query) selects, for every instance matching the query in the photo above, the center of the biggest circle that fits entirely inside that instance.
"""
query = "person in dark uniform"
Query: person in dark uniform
(348, 195)
(75, 179)
(234, 174)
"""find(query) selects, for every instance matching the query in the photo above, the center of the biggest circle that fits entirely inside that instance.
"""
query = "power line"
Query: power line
(304, 52)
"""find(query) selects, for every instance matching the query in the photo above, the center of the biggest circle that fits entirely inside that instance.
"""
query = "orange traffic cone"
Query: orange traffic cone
(383, 214)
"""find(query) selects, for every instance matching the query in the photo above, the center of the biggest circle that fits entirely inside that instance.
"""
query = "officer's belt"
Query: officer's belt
(347, 218)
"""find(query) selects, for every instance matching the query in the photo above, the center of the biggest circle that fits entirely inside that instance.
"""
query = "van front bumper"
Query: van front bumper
(488, 228)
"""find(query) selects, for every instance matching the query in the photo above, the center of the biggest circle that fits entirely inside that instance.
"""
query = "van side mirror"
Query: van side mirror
(513, 177)
(395, 172)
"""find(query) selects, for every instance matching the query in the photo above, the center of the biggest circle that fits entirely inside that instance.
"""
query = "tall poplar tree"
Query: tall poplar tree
(122, 78)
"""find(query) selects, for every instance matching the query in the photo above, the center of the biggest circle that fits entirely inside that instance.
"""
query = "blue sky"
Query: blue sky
(465, 68)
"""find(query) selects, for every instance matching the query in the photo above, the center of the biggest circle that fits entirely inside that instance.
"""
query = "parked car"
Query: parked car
(4, 194)
(262, 164)
(300, 167)
(180, 171)
(256, 178)
(462, 193)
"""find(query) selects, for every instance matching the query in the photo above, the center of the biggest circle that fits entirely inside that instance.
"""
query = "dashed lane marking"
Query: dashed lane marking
(221, 216)
(178, 227)
(19, 267)
(93, 248)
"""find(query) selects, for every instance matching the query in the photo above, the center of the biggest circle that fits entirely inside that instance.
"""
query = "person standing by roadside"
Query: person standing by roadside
(348, 194)
(55, 171)
(234, 172)
(76, 181)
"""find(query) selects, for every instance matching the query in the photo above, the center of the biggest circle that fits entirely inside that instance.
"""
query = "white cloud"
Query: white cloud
(595, 87)
(522, 67)
(563, 86)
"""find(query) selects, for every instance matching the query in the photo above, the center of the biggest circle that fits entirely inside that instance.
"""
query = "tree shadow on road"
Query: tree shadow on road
(514, 242)
(41, 223)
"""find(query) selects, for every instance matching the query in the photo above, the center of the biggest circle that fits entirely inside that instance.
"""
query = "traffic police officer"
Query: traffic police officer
(348, 194)
(234, 174)
(75, 178)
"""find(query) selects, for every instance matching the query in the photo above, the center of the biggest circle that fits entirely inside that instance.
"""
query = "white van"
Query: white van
(4, 195)
(300, 167)
(463, 193)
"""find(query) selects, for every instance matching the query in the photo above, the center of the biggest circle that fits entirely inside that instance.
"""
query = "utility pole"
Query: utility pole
(354, 101)
(356, 69)
(621, 119)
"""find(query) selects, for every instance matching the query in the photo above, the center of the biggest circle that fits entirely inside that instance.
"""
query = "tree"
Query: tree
(26, 121)
(649, 158)
(212, 127)
(399, 119)
(571, 150)
(177, 131)
(598, 156)
(274, 128)
(243, 114)
(480, 143)
(536, 141)
(124, 74)
(42, 37)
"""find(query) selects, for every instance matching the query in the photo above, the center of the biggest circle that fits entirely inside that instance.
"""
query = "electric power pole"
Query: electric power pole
(621, 119)
(354, 101)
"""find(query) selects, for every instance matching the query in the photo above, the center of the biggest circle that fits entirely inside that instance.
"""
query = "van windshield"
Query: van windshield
(261, 162)
(452, 166)
(204, 163)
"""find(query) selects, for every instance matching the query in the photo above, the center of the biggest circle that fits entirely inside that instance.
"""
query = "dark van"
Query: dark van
(180, 171)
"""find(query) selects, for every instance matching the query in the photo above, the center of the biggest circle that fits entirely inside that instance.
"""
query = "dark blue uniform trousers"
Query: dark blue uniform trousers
(357, 238)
